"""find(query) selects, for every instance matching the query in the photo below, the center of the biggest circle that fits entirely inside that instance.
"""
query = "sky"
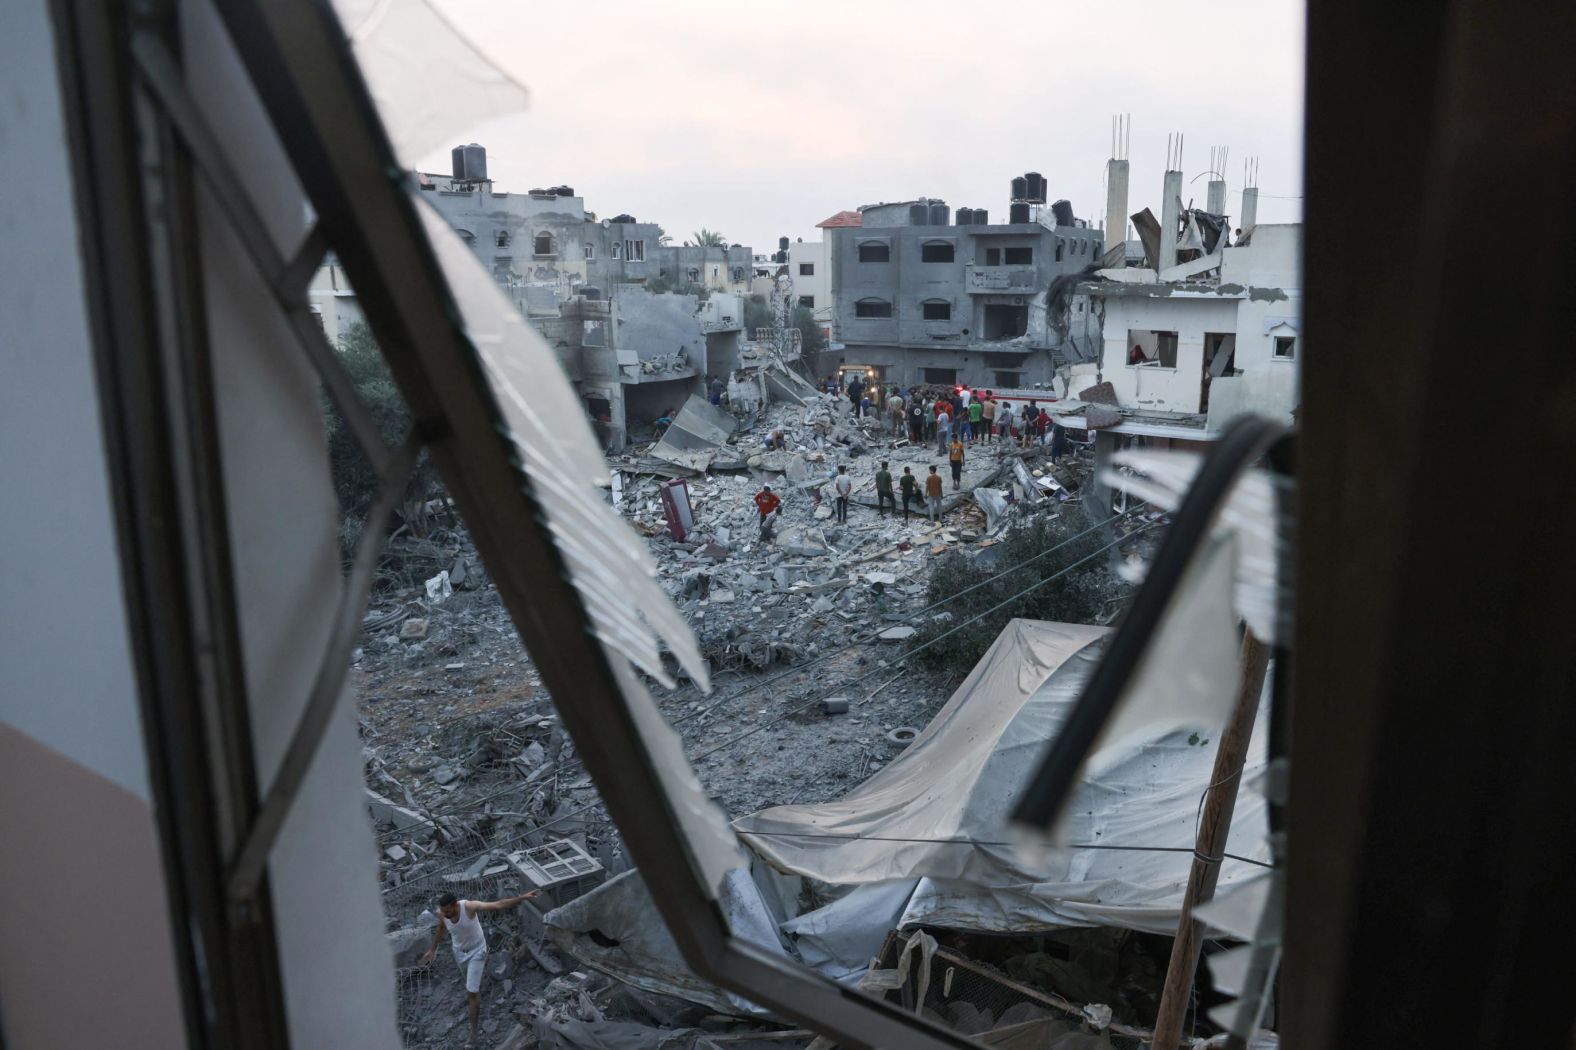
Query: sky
(760, 120)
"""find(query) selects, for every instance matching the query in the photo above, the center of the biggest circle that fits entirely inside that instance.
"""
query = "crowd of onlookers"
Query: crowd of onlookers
(932, 413)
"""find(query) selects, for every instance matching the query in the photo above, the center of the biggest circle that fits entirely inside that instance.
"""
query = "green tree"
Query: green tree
(757, 313)
(705, 238)
(812, 336)
(355, 483)
(1079, 596)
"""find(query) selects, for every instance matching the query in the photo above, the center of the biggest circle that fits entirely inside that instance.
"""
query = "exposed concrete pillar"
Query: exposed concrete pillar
(1215, 203)
(1250, 208)
(1170, 215)
(1116, 208)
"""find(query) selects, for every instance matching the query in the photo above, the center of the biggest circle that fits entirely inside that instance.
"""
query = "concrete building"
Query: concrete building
(810, 266)
(579, 281)
(1211, 344)
(920, 299)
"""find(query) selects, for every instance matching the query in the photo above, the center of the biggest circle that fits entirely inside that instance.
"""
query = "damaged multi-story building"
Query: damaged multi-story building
(633, 352)
(1195, 322)
(922, 296)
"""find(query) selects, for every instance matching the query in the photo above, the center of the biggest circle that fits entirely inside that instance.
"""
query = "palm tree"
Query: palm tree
(708, 238)
(663, 236)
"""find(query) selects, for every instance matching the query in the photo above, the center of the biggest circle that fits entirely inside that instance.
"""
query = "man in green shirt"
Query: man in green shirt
(884, 490)
(976, 411)
(910, 490)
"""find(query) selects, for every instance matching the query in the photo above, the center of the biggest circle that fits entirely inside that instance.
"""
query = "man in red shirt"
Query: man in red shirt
(766, 502)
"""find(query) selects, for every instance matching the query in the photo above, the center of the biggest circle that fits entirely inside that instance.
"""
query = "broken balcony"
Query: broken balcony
(998, 280)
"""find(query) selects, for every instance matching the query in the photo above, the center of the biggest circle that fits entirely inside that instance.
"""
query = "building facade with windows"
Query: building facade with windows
(1214, 343)
(917, 299)
(810, 265)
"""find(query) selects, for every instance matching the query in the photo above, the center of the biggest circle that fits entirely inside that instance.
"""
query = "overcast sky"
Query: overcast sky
(760, 120)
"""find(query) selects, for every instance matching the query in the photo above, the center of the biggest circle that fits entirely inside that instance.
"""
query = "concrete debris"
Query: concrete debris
(413, 630)
(897, 634)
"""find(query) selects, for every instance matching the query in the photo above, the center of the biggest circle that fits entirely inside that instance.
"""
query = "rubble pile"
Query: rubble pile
(466, 763)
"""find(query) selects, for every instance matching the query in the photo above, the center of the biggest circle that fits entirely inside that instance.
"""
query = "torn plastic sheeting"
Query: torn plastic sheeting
(609, 566)
(428, 81)
(1251, 512)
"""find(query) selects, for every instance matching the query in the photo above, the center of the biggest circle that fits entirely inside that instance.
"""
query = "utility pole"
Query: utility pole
(1209, 851)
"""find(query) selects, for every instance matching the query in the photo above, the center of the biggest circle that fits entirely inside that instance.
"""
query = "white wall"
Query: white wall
(1151, 386)
(818, 254)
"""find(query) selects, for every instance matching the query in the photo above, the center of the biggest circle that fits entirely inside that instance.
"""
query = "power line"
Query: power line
(801, 668)
(743, 832)
(919, 648)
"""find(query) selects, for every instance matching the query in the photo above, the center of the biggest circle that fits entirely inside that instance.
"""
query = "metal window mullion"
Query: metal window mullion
(251, 859)
(162, 78)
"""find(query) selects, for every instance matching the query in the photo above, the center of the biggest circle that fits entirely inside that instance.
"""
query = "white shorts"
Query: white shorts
(472, 965)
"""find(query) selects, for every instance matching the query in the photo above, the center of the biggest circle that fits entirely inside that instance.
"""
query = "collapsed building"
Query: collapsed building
(631, 351)
(920, 295)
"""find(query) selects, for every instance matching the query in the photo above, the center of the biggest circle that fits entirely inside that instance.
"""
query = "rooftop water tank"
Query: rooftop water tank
(919, 214)
(1036, 183)
(1063, 210)
(981, 217)
(469, 162)
(965, 217)
(939, 213)
(1020, 188)
(1018, 213)
(782, 244)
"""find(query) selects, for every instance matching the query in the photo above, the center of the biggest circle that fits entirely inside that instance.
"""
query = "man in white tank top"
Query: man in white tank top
(458, 919)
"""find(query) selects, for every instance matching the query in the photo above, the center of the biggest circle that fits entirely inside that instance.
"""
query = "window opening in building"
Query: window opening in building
(1286, 348)
(1166, 349)
(1009, 379)
(874, 253)
(937, 310)
(807, 301)
(543, 244)
(872, 308)
(615, 249)
(992, 256)
(634, 251)
(1005, 321)
(942, 376)
(590, 250)
(935, 252)
(807, 269)
(1019, 256)
(502, 239)
(1058, 250)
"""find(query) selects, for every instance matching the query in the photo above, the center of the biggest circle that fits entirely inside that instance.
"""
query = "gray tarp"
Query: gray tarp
(925, 842)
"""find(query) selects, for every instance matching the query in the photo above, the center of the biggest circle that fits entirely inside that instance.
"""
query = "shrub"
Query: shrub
(1076, 597)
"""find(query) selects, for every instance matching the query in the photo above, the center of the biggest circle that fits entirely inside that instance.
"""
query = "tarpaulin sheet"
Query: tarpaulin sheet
(925, 840)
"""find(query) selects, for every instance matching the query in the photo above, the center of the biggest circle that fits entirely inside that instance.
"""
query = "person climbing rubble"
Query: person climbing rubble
(884, 490)
(767, 503)
(458, 920)
(843, 485)
(955, 456)
(910, 485)
(933, 491)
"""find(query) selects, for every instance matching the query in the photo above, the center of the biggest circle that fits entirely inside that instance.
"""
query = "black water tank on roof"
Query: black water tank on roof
(918, 214)
(457, 162)
(1020, 188)
(1063, 210)
(940, 214)
(1018, 213)
(782, 244)
(965, 217)
(981, 217)
(564, 191)
(475, 161)
(1036, 183)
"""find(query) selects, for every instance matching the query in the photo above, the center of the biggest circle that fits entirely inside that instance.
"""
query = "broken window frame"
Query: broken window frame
(873, 309)
(1289, 342)
(634, 249)
(312, 90)
(931, 248)
(875, 252)
(1166, 345)
(927, 310)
